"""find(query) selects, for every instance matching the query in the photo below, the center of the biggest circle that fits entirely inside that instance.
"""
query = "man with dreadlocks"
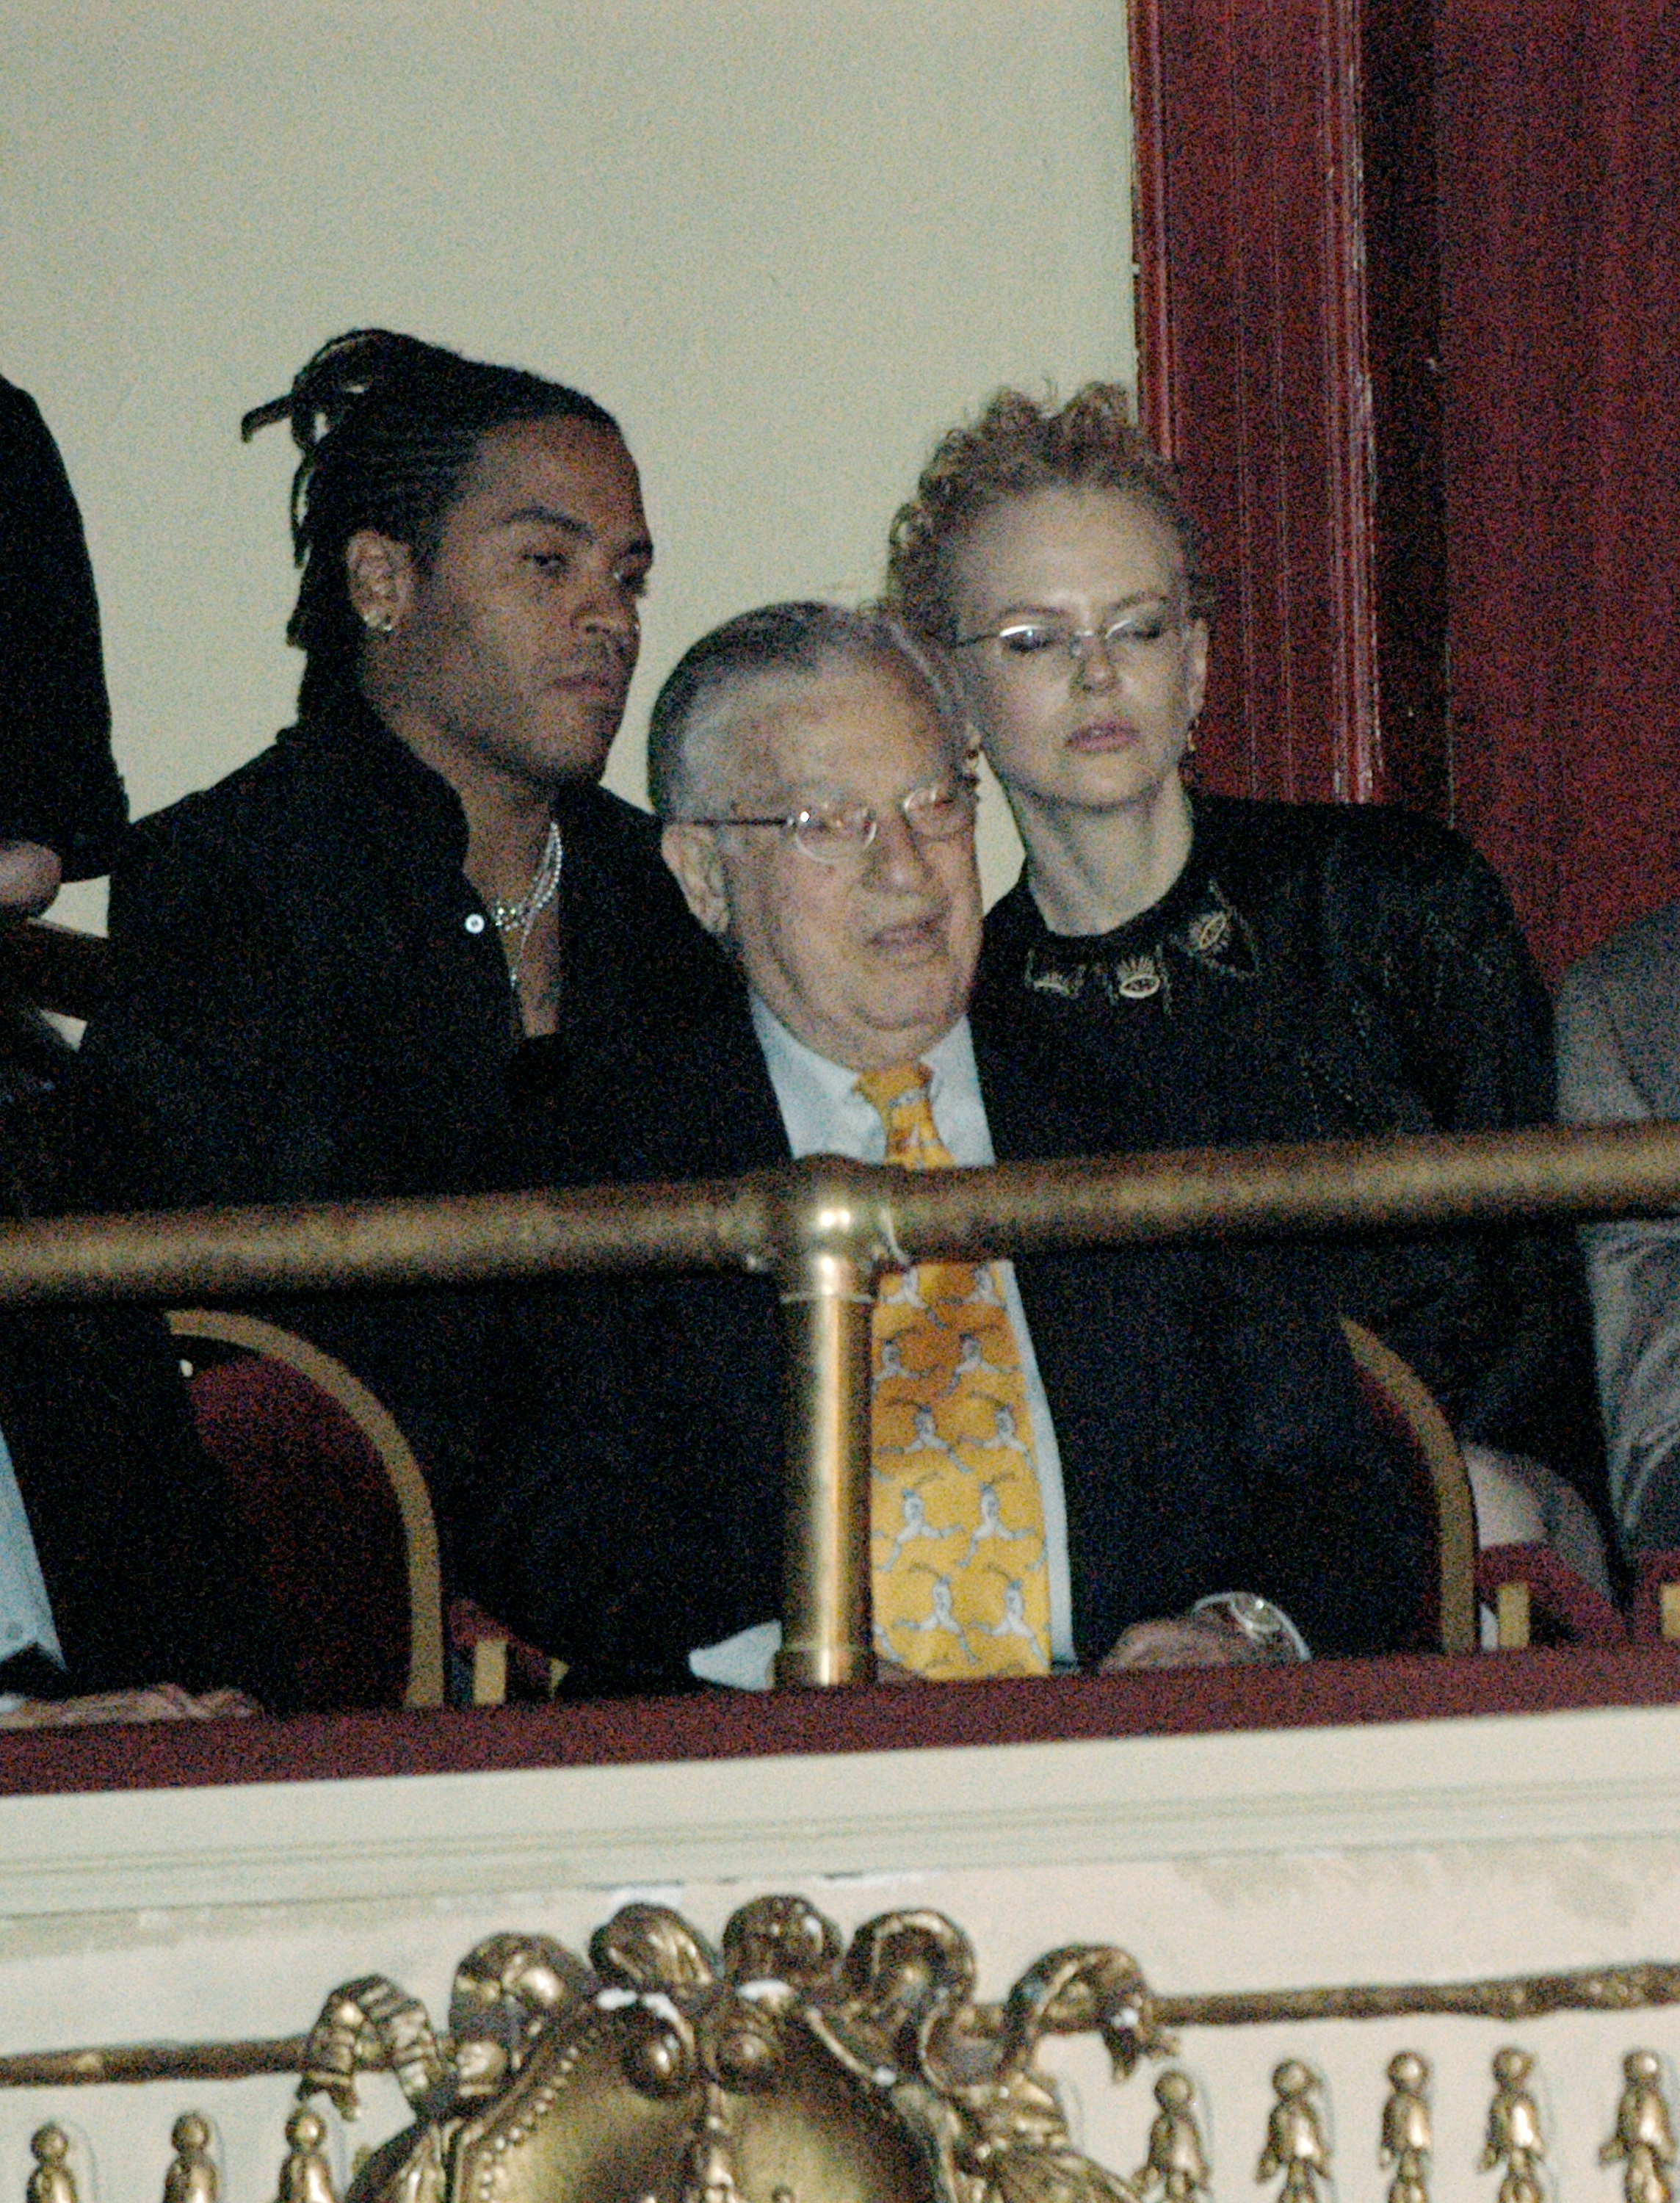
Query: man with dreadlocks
(396, 953)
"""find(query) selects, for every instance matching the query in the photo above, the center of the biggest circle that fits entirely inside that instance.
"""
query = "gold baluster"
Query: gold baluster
(1295, 2143)
(1176, 2168)
(1643, 2142)
(52, 2181)
(1407, 2137)
(192, 2177)
(306, 2176)
(1514, 2138)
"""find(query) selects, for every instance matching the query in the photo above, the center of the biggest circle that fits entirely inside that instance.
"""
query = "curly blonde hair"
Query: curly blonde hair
(1016, 447)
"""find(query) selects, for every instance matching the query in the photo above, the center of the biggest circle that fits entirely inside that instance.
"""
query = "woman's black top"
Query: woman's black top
(1322, 972)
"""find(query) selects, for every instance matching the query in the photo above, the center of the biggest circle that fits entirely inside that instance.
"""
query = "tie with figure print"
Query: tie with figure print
(957, 1516)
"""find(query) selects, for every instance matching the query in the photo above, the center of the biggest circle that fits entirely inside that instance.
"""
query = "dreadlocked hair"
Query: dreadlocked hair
(1016, 447)
(388, 428)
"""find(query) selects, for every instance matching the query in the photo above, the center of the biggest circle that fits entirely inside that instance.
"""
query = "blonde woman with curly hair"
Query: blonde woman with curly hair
(1176, 967)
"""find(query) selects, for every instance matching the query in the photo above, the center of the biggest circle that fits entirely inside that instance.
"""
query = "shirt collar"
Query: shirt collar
(383, 788)
(397, 797)
(822, 1109)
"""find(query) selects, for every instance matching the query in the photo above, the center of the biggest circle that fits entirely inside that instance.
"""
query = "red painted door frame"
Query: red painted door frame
(1287, 319)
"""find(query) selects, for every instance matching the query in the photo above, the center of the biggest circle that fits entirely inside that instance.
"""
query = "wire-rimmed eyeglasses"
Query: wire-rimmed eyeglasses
(1126, 640)
(838, 833)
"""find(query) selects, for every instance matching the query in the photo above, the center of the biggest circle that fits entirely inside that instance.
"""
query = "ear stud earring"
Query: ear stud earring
(1189, 770)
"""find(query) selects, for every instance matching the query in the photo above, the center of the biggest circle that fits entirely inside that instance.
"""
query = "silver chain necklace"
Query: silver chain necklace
(517, 918)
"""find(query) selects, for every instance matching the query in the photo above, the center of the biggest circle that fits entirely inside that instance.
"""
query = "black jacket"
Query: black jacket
(149, 1566)
(147, 1561)
(57, 782)
(1328, 972)
(1205, 1413)
(307, 1003)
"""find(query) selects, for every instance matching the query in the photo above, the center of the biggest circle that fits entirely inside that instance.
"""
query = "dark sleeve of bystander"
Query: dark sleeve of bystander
(151, 1573)
(58, 784)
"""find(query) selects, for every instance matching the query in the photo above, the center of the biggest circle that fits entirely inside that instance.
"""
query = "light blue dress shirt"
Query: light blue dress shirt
(823, 1113)
(25, 1611)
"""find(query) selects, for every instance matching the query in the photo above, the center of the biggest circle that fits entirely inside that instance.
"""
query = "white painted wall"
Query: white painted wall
(787, 241)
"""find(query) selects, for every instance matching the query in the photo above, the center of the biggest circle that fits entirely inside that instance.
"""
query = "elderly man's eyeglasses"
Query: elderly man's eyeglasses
(838, 833)
(1047, 643)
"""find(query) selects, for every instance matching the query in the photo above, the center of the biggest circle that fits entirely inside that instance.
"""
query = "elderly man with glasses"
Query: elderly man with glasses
(1128, 1458)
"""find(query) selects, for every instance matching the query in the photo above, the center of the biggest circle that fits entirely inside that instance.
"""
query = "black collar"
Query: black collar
(401, 798)
(1195, 924)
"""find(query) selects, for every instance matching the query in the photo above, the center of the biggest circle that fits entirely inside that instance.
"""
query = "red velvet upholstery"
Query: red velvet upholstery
(1560, 147)
(320, 1505)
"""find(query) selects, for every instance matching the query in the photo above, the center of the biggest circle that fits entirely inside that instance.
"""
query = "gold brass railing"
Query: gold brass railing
(826, 1230)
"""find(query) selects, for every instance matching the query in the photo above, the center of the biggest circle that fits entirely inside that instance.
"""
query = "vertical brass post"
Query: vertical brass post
(830, 1260)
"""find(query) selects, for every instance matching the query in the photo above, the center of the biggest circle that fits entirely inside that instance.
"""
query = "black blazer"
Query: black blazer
(306, 1003)
(1205, 1410)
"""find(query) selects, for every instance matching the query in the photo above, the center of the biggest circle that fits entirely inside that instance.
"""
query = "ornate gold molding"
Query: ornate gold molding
(785, 2065)
(1513, 1998)
(118, 2062)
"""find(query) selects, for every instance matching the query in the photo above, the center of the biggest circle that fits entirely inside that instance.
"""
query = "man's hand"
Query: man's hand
(29, 876)
(1190, 1641)
(1186, 1640)
(161, 1702)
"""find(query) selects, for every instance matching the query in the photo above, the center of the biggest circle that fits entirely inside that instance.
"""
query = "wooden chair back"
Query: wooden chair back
(336, 1501)
(1403, 1405)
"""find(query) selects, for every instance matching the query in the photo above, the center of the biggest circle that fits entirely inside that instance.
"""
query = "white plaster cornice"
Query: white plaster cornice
(1559, 1777)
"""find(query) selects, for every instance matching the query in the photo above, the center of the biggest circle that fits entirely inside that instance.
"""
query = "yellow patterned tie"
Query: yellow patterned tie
(961, 1589)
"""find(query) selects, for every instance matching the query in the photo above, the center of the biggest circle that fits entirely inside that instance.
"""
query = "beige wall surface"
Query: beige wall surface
(787, 241)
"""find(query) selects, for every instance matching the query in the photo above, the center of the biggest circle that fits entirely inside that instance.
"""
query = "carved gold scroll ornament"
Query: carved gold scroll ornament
(783, 2066)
